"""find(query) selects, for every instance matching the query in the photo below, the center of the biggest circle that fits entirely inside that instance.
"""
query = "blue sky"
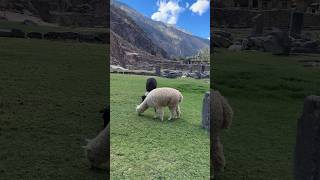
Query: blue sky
(190, 15)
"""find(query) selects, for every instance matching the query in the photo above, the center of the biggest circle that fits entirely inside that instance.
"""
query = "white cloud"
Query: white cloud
(187, 4)
(200, 7)
(168, 11)
(209, 38)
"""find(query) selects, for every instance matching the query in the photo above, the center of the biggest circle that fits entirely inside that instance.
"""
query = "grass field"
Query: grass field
(146, 148)
(50, 97)
(266, 93)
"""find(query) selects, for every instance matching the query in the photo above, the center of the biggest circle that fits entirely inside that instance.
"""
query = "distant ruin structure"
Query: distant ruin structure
(277, 13)
(301, 5)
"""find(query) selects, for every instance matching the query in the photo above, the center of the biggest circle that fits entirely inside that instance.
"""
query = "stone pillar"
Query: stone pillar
(158, 71)
(307, 149)
(190, 68)
(203, 68)
(258, 25)
(259, 4)
(296, 24)
(206, 111)
(199, 71)
(250, 4)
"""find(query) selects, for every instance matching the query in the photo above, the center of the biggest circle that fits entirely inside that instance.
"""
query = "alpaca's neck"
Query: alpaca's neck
(143, 106)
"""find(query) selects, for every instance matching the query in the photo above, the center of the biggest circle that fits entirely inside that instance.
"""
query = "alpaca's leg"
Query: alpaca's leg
(172, 112)
(156, 112)
(160, 113)
(178, 111)
(217, 158)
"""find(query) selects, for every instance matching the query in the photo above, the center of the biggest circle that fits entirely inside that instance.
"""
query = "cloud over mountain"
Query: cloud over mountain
(168, 11)
(200, 7)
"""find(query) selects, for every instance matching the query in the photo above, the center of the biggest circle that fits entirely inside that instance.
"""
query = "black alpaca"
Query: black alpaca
(106, 116)
(150, 85)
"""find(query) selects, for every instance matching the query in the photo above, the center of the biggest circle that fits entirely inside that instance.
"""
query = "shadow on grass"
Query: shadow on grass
(148, 117)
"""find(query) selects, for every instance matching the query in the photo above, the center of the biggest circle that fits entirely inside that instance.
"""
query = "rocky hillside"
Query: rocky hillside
(126, 54)
(130, 45)
(89, 13)
(126, 28)
(174, 41)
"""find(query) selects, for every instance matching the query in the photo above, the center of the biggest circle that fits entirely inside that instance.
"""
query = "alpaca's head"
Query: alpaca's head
(141, 108)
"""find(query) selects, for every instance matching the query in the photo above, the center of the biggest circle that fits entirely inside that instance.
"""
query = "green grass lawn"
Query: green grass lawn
(267, 94)
(146, 148)
(50, 97)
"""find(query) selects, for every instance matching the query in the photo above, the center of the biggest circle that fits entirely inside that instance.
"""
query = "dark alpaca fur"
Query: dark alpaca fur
(106, 116)
(150, 85)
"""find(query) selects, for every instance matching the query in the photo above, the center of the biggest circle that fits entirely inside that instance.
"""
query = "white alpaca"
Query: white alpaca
(97, 149)
(160, 98)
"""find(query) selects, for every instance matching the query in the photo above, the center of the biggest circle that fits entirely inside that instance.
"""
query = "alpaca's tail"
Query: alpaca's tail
(181, 98)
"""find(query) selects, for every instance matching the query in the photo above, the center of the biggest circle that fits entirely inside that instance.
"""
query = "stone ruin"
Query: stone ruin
(94, 37)
(262, 16)
(279, 41)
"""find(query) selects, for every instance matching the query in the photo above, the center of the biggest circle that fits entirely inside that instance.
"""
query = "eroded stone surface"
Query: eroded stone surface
(307, 149)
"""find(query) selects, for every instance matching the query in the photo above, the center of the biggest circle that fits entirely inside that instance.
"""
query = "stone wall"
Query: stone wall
(238, 18)
(169, 64)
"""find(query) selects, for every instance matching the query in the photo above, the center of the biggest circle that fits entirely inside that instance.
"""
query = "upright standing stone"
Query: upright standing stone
(206, 111)
(296, 24)
(190, 68)
(250, 4)
(279, 42)
(200, 68)
(307, 149)
(258, 25)
(203, 68)
(158, 70)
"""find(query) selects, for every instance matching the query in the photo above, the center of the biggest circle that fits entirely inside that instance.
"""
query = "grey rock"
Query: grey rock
(17, 33)
(206, 111)
(221, 41)
(311, 44)
(34, 35)
(29, 22)
(5, 33)
(305, 50)
(307, 149)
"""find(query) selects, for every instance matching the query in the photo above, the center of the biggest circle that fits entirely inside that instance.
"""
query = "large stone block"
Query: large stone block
(307, 149)
(206, 111)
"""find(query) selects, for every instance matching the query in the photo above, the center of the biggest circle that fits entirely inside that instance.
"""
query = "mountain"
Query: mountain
(85, 13)
(126, 28)
(130, 45)
(174, 41)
